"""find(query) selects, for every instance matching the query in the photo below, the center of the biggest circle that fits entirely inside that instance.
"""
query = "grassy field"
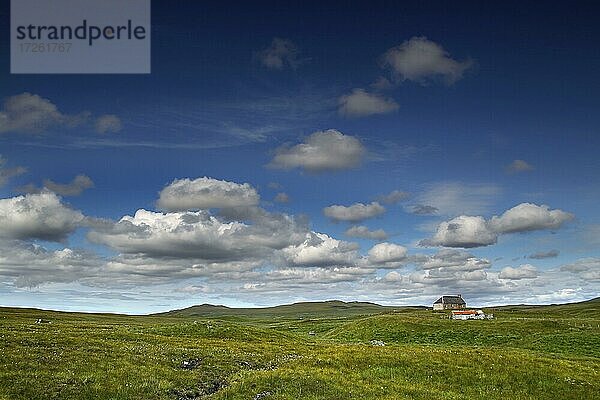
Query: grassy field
(208, 352)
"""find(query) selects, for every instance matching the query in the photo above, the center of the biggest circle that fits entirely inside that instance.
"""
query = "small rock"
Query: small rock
(192, 363)
(261, 395)
(377, 343)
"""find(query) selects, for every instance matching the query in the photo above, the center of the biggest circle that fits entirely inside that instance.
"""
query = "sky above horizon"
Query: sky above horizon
(378, 152)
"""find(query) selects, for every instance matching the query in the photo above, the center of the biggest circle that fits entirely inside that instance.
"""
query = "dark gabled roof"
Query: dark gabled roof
(450, 300)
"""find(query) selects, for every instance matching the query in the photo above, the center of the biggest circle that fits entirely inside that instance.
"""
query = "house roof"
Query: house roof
(450, 300)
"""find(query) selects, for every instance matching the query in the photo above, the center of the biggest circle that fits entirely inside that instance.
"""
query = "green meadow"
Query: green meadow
(329, 350)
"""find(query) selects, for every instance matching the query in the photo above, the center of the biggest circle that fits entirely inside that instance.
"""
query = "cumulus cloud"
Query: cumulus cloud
(383, 253)
(364, 233)
(282, 197)
(586, 268)
(360, 103)
(458, 260)
(193, 289)
(518, 166)
(526, 271)
(529, 217)
(456, 198)
(354, 213)
(108, 123)
(322, 151)
(299, 277)
(74, 188)
(393, 197)
(544, 254)
(467, 231)
(463, 231)
(449, 269)
(420, 209)
(31, 265)
(205, 193)
(37, 216)
(7, 173)
(281, 53)
(138, 269)
(421, 60)
(393, 277)
(319, 249)
(30, 113)
(180, 245)
(199, 235)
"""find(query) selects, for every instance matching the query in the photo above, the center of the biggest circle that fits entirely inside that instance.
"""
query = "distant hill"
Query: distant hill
(586, 307)
(319, 309)
(332, 309)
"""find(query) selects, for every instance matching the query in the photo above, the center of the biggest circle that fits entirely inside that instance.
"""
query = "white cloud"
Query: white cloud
(586, 268)
(319, 275)
(354, 213)
(453, 271)
(31, 265)
(393, 277)
(364, 233)
(7, 173)
(529, 217)
(360, 103)
(282, 197)
(193, 289)
(393, 197)
(452, 259)
(134, 269)
(281, 53)
(319, 249)
(322, 151)
(205, 193)
(421, 60)
(518, 166)
(544, 254)
(463, 231)
(37, 216)
(75, 188)
(526, 271)
(456, 198)
(420, 209)
(383, 253)
(108, 123)
(199, 235)
(30, 113)
(467, 231)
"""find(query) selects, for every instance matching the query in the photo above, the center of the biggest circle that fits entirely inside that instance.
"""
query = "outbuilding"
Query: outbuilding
(470, 314)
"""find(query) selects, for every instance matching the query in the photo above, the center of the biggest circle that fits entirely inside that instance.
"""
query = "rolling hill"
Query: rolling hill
(333, 308)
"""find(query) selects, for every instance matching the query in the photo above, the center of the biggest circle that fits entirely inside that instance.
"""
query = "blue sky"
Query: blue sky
(469, 112)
